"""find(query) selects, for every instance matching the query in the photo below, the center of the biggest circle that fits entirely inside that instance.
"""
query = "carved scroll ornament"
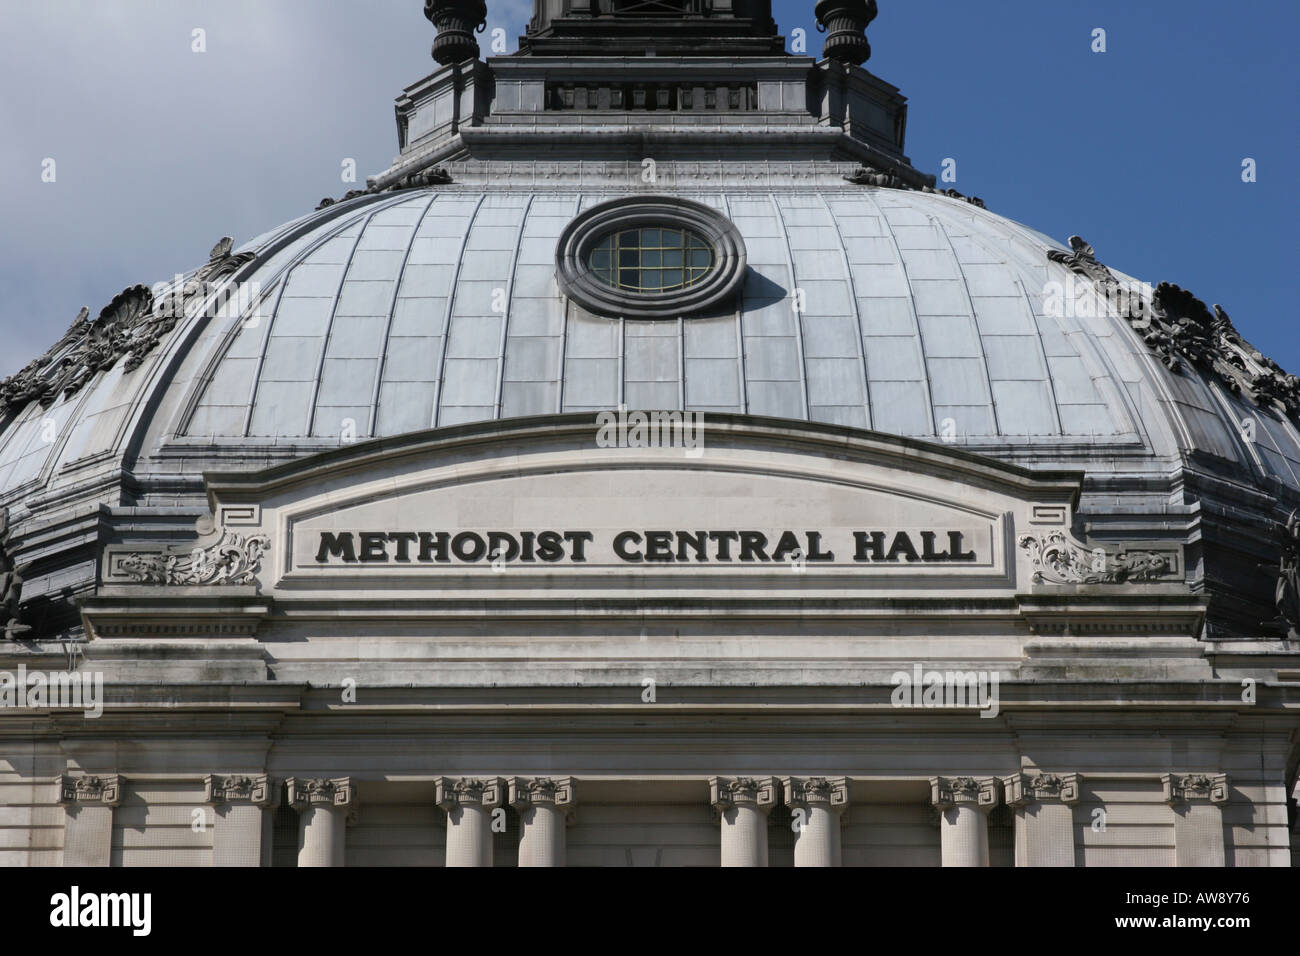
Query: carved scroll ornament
(1180, 330)
(130, 327)
(234, 559)
(1057, 558)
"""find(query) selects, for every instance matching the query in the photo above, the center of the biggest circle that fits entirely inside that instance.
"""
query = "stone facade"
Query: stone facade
(869, 557)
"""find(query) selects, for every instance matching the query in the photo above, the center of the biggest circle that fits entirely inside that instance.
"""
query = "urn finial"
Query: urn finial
(456, 22)
(845, 23)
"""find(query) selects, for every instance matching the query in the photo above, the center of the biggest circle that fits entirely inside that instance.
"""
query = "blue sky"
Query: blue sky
(161, 151)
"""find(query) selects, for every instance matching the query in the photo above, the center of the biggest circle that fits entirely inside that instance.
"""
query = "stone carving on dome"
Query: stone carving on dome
(1181, 330)
(871, 176)
(1059, 559)
(1287, 595)
(11, 585)
(430, 176)
(130, 326)
(234, 559)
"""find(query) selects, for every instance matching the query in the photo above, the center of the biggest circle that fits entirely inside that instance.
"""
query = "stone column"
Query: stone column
(323, 806)
(1043, 803)
(545, 808)
(88, 823)
(820, 801)
(742, 805)
(242, 809)
(963, 804)
(1198, 800)
(469, 805)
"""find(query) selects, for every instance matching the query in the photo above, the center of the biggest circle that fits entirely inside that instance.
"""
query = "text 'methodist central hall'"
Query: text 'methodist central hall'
(651, 468)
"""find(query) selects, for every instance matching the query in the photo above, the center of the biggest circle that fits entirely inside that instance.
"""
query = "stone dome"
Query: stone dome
(856, 296)
(910, 313)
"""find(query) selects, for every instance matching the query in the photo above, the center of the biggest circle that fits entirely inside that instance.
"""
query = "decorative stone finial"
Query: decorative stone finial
(845, 24)
(456, 22)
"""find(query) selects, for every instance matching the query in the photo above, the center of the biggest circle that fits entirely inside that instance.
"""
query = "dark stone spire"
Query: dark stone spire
(652, 27)
(845, 23)
(456, 20)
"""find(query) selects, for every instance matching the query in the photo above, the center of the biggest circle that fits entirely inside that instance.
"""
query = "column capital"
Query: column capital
(304, 792)
(757, 792)
(1195, 788)
(982, 793)
(259, 791)
(90, 790)
(525, 792)
(488, 793)
(1022, 789)
(831, 792)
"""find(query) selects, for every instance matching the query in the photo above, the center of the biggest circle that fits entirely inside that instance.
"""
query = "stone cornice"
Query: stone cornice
(1195, 788)
(488, 793)
(983, 793)
(259, 791)
(804, 792)
(90, 790)
(305, 792)
(1023, 789)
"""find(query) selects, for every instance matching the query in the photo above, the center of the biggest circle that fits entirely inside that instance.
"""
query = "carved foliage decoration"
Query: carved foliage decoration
(234, 559)
(1058, 559)
(303, 792)
(981, 792)
(1180, 330)
(432, 176)
(11, 585)
(726, 792)
(871, 176)
(105, 791)
(488, 793)
(802, 791)
(1023, 789)
(236, 788)
(1186, 788)
(130, 327)
(1287, 595)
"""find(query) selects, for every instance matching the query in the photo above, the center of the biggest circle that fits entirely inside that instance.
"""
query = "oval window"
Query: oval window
(652, 260)
(650, 257)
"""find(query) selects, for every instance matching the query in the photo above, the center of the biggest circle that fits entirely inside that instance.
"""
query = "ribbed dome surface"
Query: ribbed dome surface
(904, 312)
